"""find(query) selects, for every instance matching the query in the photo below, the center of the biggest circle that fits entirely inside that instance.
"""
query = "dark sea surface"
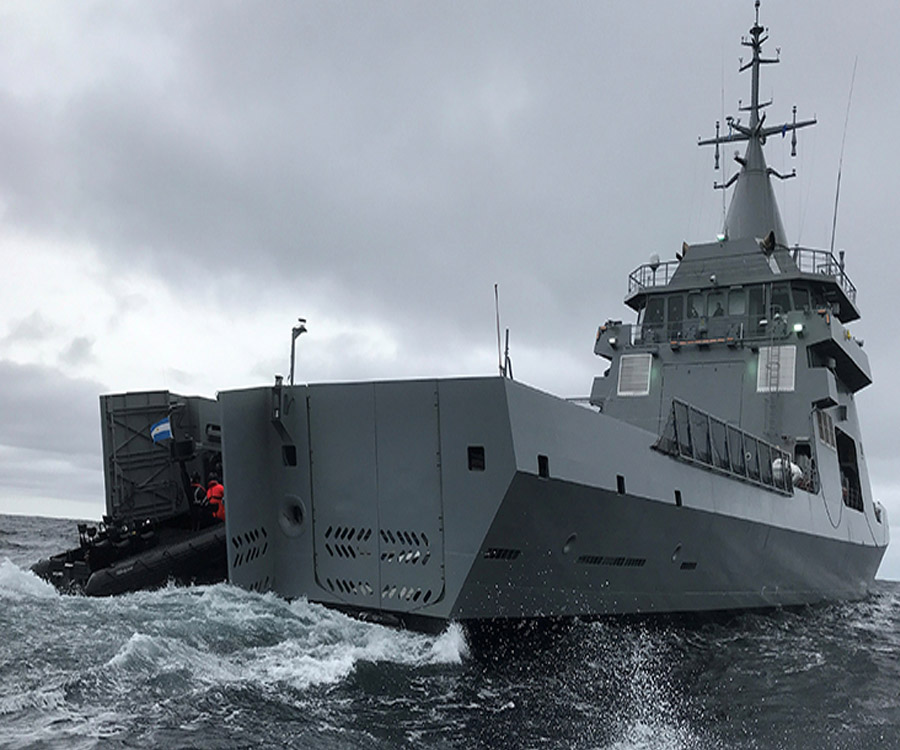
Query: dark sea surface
(218, 667)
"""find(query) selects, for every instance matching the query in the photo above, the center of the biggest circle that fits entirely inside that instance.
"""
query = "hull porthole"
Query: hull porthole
(292, 516)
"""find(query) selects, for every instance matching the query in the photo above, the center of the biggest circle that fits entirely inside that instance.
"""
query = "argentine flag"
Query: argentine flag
(162, 430)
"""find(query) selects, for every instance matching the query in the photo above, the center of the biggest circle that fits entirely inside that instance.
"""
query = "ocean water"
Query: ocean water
(218, 667)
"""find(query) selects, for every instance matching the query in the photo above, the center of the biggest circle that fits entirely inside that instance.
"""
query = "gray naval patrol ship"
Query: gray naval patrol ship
(718, 464)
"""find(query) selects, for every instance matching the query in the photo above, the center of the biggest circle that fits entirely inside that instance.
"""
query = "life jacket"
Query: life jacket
(215, 494)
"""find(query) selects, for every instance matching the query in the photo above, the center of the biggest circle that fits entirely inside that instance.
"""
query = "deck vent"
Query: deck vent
(341, 550)
(353, 588)
(498, 553)
(634, 374)
(406, 556)
(476, 458)
(347, 542)
(688, 565)
(406, 593)
(249, 545)
(406, 547)
(348, 533)
(289, 455)
(615, 562)
(620, 484)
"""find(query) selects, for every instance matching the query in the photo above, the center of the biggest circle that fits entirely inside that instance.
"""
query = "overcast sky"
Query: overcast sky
(180, 181)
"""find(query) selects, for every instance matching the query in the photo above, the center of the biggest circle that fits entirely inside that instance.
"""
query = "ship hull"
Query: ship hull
(600, 552)
(422, 502)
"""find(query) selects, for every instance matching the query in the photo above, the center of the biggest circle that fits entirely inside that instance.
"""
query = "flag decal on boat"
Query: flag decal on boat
(160, 431)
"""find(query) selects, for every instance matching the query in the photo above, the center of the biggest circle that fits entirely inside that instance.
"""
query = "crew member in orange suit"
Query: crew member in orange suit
(215, 495)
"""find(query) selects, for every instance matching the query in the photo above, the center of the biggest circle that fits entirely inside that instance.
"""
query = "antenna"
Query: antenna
(497, 315)
(725, 171)
(837, 192)
(756, 130)
(297, 330)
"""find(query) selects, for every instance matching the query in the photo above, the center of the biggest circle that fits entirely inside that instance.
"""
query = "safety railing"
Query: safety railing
(651, 275)
(823, 262)
(697, 437)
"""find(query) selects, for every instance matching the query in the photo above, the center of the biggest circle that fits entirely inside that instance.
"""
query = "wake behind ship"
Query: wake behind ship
(718, 464)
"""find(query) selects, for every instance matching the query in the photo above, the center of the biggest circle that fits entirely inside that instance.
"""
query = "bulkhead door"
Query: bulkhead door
(376, 493)
(410, 514)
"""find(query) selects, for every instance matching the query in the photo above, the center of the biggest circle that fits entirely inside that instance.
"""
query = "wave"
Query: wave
(40, 699)
(16, 583)
(219, 635)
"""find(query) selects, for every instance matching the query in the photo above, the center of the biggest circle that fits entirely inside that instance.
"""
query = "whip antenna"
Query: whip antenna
(837, 192)
(497, 316)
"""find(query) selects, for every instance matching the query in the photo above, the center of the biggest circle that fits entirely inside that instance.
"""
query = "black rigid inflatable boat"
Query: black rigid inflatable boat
(154, 530)
(116, 559)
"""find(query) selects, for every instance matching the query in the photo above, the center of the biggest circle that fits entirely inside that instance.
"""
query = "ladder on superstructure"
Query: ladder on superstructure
(773, 380)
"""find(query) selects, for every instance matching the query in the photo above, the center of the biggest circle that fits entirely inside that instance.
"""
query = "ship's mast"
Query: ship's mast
(755, 43)
(753, 211)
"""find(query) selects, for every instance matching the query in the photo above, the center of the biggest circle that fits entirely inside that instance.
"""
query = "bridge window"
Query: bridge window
(801, 297)
(676, 314)
(715, 304)
(818, 297)
(695, 305)
(655, 312)
(737, 302)
(757, 305)
(781, 299)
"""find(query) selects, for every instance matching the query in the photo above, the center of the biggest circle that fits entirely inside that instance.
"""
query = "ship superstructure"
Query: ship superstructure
(718, 464)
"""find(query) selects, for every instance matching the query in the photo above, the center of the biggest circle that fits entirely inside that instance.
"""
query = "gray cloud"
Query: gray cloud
(79, 351)
(412, 156)
(44, 410)
(34, 327)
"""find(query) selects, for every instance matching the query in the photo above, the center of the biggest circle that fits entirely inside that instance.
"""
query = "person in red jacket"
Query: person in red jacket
(215, 495)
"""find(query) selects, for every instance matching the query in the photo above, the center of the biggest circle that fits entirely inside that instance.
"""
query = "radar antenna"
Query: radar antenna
(756, 130)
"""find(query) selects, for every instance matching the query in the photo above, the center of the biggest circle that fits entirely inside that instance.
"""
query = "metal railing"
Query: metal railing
(823, 262)
(697, 437)
(651, 275)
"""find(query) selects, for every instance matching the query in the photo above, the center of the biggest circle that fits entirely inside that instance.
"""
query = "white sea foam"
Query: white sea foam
(656, 736)
(649, 719)
(449, 647)
(269, 642)
(16, 583)
(152, 655)
(41, 699)
(331, 647)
